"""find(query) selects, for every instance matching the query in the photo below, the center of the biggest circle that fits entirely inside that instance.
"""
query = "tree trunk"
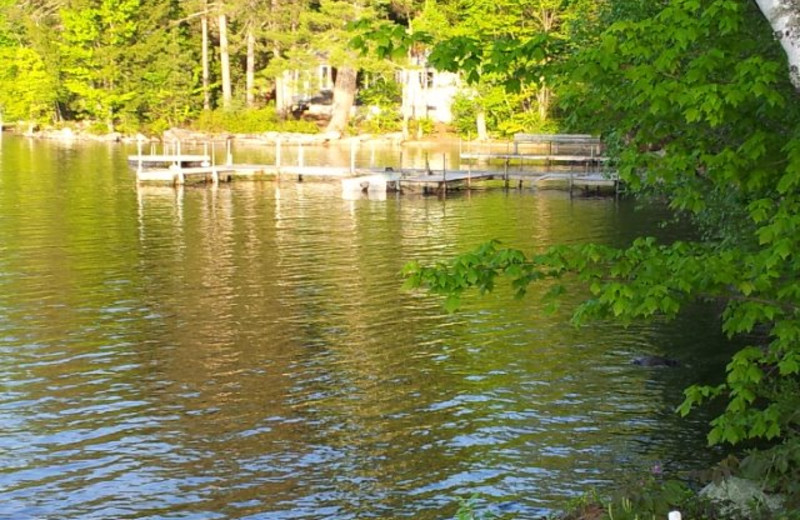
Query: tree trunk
(283, 93)
(543, 100)
(406, 104)
(480, 123)
(779, 17)
(251, 68)
(344, 94)
(206, 82)
(224, 60)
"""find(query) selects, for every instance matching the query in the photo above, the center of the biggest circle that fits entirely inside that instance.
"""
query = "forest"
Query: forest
(130, 65)
(694, 98)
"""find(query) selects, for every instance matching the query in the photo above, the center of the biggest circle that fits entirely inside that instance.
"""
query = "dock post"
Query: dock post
(372, 154)
(505, 173)
(300, 158)
(138, 149)
(228, 151)
(570, 183)
(469, 160)
(444, 173)
(278, 159)
(353, 157)
(215, 176)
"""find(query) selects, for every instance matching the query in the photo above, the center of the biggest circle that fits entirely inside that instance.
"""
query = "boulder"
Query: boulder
(738, 497)
(656, 361)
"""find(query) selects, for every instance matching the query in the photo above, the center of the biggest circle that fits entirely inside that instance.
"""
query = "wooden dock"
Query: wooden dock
(589, 150)
(175, 168)
(545, 158)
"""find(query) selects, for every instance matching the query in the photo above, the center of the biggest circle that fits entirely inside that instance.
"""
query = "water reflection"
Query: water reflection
(246, 351)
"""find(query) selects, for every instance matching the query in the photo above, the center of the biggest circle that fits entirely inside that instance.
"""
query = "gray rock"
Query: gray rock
(739, 497)
(656, 361)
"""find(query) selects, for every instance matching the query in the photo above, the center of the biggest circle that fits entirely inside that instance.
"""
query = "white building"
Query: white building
(428, 93)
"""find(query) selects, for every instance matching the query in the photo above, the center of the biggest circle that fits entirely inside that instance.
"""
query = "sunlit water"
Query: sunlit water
(249, 352)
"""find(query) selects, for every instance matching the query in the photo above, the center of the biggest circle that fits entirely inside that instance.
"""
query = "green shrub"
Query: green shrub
(526, 122)
(465, 111)
(385, 121)
(422, 126)
(249, 121)
(97, 128)
(383, 93)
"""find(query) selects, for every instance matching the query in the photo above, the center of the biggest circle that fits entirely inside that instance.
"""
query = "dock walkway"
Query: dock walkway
(176, 168)
(589, 148)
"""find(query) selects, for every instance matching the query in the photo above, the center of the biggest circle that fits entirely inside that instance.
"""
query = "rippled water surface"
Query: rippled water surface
(249, 352)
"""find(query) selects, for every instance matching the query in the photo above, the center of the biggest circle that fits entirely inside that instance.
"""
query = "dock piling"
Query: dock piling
(353, 157)
(300, 158)
(138, 150)
(444, 173)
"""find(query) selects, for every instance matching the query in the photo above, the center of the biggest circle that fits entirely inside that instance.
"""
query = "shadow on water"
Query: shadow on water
(247, 351)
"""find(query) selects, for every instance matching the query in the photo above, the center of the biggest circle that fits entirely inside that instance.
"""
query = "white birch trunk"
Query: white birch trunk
(543, 100)
(480, 123)
(780, 20)
(225, 63)
(251, 68)
(206, 73)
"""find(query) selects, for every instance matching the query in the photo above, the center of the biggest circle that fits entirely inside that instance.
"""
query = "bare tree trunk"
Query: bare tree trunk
(206, 74)
(543, 100)
(284, 93)
(480, 123)
(779, 17)
(224, 60)
(251, 68)
(344, 94)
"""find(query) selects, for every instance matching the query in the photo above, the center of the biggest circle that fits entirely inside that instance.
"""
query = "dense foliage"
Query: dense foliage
(695, 100)
(151, 64)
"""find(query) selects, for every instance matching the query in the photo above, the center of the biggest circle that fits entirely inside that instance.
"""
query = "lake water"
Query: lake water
(248, 351)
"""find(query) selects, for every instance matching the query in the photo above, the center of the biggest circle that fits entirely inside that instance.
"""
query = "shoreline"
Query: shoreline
(265, 138)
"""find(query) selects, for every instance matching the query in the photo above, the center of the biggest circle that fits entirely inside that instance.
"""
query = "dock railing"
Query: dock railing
(554, 140)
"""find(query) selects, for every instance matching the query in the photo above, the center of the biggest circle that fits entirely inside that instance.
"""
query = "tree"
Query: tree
(96, 38)
(694, 100)
(27, 92)
(332, 32)
(784, 18)
(224, 57)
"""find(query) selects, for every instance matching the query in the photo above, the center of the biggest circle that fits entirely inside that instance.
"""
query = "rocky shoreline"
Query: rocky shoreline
(184, 135)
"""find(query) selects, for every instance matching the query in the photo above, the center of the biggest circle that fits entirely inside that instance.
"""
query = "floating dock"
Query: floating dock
(545, 158)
